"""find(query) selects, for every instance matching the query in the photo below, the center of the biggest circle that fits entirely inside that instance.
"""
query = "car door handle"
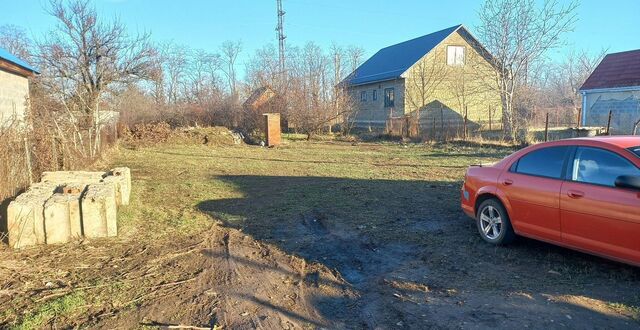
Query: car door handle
(575, 194)
(507, 182)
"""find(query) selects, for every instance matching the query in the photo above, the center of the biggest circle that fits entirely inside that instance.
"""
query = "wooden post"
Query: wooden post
(579, 119)
(27, 155)
(433, 131)
(418, 123)
(490, 128)
(442, 119)
(54, 155)
(464, 129)
(609, 123)
(546, 128)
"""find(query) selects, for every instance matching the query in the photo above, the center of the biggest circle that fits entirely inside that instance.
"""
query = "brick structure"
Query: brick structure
(272, 128)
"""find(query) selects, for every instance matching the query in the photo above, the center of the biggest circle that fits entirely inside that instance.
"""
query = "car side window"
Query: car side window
(546, 162)
(599, 166)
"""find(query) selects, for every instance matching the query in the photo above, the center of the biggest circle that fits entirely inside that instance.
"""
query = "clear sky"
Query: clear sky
(371, 24)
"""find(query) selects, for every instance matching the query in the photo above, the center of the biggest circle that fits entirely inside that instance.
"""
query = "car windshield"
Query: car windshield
(635, 150)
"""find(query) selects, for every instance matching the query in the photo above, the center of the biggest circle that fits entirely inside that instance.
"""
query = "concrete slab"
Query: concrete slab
(121, 178)
(25, 216)
(62, 218)
(99, 218)
(64, 177)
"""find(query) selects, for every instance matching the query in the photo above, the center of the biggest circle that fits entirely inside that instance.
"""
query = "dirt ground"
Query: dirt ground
(308, 235)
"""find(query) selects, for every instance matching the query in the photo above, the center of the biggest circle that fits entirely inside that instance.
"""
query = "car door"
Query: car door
(532, 187)
(596, 215)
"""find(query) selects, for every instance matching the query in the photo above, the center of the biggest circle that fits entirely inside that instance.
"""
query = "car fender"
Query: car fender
(502, 196)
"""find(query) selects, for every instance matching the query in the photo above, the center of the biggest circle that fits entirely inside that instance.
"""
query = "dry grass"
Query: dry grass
(369, 199)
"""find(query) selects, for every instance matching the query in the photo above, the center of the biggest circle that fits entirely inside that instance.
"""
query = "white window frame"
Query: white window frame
(455, 55)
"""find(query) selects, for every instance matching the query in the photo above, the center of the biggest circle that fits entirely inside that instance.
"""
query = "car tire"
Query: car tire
(493, 223)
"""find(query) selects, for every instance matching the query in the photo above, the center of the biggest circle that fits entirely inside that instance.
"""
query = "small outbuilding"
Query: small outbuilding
(613, 87)
(14, 87)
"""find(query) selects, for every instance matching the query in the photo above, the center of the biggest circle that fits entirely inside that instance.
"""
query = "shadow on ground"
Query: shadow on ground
(414, 260)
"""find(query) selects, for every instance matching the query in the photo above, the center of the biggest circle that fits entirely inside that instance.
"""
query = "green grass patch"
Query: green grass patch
(60, 307)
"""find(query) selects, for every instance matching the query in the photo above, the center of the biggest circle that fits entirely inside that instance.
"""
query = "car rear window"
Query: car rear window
(635, 150)
(546, 162)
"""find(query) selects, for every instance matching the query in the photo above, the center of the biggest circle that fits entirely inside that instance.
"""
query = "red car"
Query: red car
(581, 193)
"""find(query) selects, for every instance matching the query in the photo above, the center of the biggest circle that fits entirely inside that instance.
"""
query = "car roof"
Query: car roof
(621, 141)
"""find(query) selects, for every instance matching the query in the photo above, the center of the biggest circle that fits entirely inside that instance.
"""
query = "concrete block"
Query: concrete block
(99, 217)
(66, 177)
(62, 218)
(25, 216)
(121, 178)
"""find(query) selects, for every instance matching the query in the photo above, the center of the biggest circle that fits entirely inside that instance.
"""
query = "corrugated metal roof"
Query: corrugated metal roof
(5, 55)
(390, 62)
(615, 70)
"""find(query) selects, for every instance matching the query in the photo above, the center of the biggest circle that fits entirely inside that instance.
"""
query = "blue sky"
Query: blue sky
(371, 24)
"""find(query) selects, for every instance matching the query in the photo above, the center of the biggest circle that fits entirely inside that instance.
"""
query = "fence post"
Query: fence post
(54, 154)
(609, 123)
(442, 119)
(546, 128)
(490, 128)
(579, 118)
(28, 159)
(464, 129)
(433, 131)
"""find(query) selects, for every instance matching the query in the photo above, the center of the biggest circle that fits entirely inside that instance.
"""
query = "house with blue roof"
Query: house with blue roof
(438, 78)
(14, 87)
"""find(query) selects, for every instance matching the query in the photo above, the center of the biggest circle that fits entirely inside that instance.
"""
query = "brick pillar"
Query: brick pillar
(272, 128)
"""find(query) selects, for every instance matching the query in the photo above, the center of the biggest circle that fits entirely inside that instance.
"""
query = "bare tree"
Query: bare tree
(423, 80)
(84, 57)
(174, 62)
(567, 77)
(15, 40)
(355, 55)
(314, 104)
(230, 51)
(518, 33)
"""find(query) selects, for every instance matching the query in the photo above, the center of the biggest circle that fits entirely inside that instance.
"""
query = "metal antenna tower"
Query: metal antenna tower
(281, 37)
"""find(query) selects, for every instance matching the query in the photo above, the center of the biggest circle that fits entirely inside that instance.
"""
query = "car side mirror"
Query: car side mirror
(628, 181)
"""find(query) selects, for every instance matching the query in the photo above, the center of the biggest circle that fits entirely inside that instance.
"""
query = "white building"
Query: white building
(614, 86)
(14, 87)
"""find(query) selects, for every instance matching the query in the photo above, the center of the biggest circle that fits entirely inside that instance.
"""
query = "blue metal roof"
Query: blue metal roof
(5, 55)
(390, 62)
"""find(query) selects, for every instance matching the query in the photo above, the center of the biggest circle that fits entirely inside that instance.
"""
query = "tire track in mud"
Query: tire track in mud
(247, 287)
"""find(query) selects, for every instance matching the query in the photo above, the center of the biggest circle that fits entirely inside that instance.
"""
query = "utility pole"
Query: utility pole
(281, 38)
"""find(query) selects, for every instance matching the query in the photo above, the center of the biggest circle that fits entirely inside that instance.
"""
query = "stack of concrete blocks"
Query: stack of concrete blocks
(68, 205)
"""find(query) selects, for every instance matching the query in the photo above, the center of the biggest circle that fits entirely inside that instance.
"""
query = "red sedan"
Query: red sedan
(582, 193)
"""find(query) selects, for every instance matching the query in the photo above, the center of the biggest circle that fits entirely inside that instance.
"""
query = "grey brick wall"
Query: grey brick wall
(624, 106)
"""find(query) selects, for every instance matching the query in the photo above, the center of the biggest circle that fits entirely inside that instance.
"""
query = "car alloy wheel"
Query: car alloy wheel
(490, 222)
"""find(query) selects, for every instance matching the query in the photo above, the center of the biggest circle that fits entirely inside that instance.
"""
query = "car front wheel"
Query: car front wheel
(493, 223)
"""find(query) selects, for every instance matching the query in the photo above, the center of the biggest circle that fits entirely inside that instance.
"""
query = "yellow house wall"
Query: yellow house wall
(472, 84)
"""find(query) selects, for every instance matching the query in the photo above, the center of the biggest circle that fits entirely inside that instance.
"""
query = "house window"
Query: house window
(374, 95)
(455, 55)
(363, 96)
(389, 97)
